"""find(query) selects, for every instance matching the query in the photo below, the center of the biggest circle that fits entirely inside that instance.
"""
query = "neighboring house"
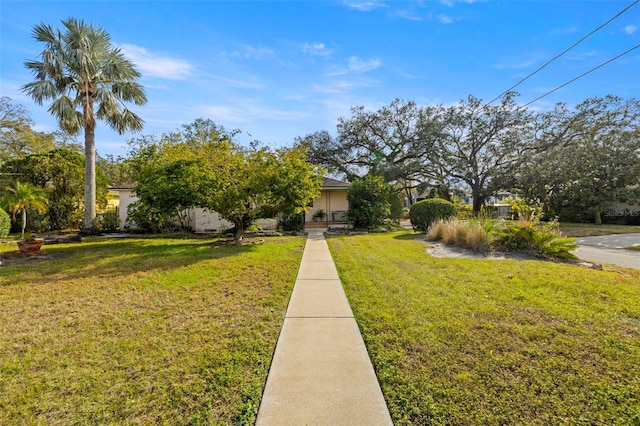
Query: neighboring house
(332, 200)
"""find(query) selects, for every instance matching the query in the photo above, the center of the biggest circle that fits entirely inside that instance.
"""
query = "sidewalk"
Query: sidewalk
(321, 373)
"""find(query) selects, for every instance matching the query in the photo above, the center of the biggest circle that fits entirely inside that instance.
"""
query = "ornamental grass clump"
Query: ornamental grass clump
(469, 234)
(481, 234)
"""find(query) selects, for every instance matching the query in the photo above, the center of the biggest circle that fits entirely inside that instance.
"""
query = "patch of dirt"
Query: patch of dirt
(444, 251)
(440, 250)
(16, 258)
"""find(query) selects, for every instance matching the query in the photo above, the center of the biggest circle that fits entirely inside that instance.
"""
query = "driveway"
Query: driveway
(610, 249)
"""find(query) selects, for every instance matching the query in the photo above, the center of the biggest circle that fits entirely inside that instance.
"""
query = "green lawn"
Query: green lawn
(142, 331)
(461, 341)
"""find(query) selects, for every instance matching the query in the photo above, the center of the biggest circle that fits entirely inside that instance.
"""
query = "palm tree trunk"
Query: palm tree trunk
(89, 220)
(24, 221)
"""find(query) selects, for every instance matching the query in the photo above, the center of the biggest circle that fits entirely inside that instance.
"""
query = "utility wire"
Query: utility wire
(565, 51)
(582, 75)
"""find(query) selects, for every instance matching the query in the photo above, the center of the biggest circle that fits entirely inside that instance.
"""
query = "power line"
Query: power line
(582, 75)
(565, 51)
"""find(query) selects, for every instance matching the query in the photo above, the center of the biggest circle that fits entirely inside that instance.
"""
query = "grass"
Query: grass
(591, 230)
(142, 331)
(474, 341)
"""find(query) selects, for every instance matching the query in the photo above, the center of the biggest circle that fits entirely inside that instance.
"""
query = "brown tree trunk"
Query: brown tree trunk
(598, 218)
(238, 231)
(478, 202)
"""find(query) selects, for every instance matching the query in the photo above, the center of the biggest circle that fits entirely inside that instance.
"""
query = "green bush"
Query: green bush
(536, 238)
(5, 223)
(292, 222)
(108, 221)
(369, 204)
(149, 218)
(425, 212)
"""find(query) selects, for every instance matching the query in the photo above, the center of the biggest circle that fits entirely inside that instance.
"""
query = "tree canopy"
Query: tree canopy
(60, 173)
(594, 167)
(20, 197)
(585, 157)
(202, 166)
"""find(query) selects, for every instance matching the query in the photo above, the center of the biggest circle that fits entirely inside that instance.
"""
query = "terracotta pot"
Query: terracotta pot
(30, 246)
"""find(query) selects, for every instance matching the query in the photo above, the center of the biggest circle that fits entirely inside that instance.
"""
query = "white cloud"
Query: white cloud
(156, 66)
(341, 86)
(318, 49)
(409, 14)
(630, 29)
(444, 19)
(364, 6)
(250, 52)
(358, 65)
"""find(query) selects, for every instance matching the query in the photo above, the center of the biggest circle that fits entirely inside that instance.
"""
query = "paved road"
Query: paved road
(610, 249)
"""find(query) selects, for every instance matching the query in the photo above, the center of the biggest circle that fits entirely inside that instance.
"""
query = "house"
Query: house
(332, 201)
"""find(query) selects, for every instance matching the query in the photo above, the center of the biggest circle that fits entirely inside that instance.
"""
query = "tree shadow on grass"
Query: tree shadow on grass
(116, 258)
(411, 236)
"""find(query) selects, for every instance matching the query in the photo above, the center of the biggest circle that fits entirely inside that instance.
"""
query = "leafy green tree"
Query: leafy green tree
(23, 196)
(174, 173)
(17, 137)
(201, 166)
(259, 183)
(5, 223)
(79, 71)
(481, 143)
(395, 142)
(114, 169)
(596, 164)
(369, 201)
(61, 173)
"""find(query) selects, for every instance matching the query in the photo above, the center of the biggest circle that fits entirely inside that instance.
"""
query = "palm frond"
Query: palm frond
(44, 33)
(69, 119)
(129, 91)
(125, 120)
(41, 90)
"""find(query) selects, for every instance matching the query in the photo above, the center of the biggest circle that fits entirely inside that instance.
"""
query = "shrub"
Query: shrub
(148, 218)
(108, 221)
(481, 234)
(5, 223)
(369, 204)
(425, 212)
(536, 238)
(292, 222)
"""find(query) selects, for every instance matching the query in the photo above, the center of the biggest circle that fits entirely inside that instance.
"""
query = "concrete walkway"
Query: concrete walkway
(321, 373)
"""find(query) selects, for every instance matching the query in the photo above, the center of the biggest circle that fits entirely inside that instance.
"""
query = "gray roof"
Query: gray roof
(329, 183)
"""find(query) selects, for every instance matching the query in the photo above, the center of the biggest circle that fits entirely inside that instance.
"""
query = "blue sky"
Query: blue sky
(281, 69)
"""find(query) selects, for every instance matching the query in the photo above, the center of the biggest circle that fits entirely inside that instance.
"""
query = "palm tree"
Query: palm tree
(22, 196)
(79, 69)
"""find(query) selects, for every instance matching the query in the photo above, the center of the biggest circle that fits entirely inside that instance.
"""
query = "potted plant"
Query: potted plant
(319, 215)
(31, 246)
